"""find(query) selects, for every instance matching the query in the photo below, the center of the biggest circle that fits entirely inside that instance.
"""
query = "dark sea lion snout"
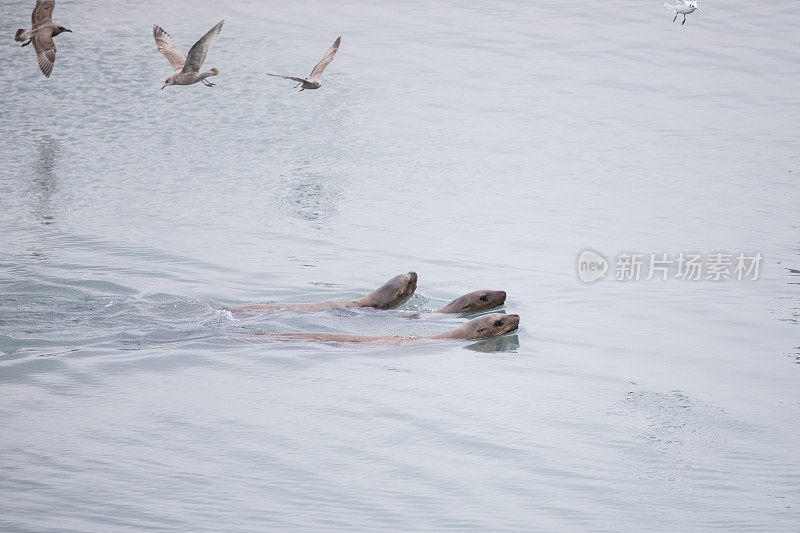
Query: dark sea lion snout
(483, 327)
(412, 282)
(501, 324)
(513, 322)
(475, 301)
(406, 287)
(493, 324)
(391, 293)
(492, 298)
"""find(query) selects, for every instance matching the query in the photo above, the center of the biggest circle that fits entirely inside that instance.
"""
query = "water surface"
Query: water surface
(481, 145)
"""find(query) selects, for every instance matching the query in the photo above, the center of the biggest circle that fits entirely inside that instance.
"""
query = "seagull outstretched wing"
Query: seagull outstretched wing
(197, 54)
(317, 72)
(45, 51)
(42, 13)
(167, 47)
(295, 78)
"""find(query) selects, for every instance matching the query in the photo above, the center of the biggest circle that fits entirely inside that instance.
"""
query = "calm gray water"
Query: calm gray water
(482, 145)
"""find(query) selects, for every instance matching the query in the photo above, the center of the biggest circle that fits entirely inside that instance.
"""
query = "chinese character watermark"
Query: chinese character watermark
(592, 266)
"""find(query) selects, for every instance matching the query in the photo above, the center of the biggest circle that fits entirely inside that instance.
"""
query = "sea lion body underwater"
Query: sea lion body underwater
(483, 327)
(389, 295)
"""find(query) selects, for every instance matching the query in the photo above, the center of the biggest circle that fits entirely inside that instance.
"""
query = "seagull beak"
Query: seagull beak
(162, 87)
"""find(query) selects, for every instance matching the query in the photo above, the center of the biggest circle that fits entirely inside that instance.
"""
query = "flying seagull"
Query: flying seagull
(313, 79)
(41, 33)
(681, 7)
(187, 68)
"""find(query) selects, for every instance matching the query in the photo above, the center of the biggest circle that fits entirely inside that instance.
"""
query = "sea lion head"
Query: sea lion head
(475, 301)
(391, 293)
(485, 326)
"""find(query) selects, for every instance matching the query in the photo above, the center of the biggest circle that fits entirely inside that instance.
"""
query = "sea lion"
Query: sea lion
(389, 295)
(483, 327)
(474, 302)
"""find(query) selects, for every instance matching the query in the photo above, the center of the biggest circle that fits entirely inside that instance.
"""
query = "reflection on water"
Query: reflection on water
(505, 343)
(794, 273)
(44, 179)
(668, 422)
(794, 308)
(311, 197)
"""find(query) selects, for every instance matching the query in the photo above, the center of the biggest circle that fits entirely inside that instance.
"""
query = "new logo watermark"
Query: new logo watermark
(592, 266)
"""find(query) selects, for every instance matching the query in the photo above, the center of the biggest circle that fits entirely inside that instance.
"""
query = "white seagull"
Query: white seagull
(313, 79)
(187, 67)
(683, 7)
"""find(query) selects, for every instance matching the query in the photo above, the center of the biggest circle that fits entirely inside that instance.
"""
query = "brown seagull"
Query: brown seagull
(41, 33)
(313, 80)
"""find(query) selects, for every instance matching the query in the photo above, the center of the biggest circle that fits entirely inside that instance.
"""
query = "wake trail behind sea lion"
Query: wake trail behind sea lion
(389, 295)
(483, 327)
